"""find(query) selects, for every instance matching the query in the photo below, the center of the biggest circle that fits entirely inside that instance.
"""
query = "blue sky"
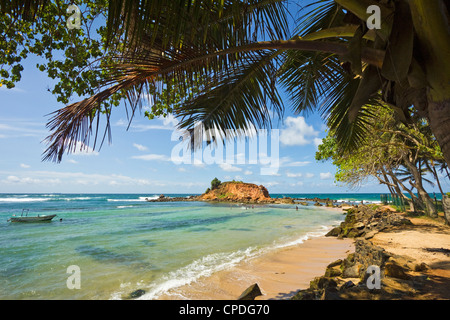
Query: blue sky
(139, 160)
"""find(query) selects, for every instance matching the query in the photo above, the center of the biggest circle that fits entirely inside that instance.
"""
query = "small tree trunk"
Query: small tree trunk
(423, 195)
(446, 206)
(398, 183)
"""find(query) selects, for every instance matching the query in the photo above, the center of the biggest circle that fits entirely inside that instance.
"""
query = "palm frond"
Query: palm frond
(22, 9)
(175, 23)
(241, 100)
(181, 50)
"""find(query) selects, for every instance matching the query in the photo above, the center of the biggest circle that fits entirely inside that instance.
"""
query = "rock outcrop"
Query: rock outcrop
(238, 192)
(401, 277)
(366, 221)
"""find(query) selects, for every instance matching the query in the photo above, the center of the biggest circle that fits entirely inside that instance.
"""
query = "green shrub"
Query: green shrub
(215, 183)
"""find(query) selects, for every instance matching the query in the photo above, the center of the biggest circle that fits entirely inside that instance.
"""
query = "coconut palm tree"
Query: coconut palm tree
(234, 52)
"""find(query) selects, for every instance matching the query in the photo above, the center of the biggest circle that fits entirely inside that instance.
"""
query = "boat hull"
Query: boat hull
(33, 219)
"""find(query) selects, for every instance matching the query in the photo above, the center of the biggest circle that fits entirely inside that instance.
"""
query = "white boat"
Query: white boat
(26, 218)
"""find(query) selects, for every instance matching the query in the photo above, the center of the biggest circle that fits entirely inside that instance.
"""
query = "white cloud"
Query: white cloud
(169, 120)
(141, 127)
(81, 149)
(22, 128)
(309, 175)
(248, 172)
(51, 178)
(25, 166)
(326, 175)
(29, 180)
(167, 123)
(140, 147)
(229, 168)
(297, 132)
(152, 157)
(298, 164)
(294, 175)
(72, 161)
(317, 142)
(271, 184)
(181, 169)
(287, 162)
(45, 180)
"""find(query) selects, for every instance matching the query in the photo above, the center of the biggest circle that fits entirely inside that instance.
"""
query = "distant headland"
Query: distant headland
(231, 191)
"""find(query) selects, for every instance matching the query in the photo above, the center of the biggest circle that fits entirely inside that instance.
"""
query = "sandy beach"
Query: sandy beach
(279, 274)
(426, 241)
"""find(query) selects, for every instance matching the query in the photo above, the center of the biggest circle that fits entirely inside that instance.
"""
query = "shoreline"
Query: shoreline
(415, 264)
(280, 273)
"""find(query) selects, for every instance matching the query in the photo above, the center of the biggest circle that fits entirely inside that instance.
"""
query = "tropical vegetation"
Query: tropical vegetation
(404, 158)
(222, 63)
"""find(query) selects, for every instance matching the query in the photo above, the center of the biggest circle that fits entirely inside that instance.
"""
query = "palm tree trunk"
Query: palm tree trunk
(431, 26)
(439, 116)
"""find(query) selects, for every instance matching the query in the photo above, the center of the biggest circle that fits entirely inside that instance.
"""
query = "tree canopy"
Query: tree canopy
(227, 58)
(401, 157)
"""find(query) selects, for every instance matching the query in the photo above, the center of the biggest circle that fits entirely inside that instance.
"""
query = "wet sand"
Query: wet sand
(279, 274)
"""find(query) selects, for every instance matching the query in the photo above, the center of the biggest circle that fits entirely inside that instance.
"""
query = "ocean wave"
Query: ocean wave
(202, 267)
(140, 199)
(210, 264)
(358, 201)
(317, 233)
(76, 198)
(24, 199)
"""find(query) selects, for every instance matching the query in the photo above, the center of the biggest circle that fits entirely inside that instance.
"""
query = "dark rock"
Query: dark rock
(317, 204)
(352, 271)
(335, 263)
(370, 234)
(334, 232)
(330, 293)
(394, 270)
(333, 272)
(359, 225)
(347, 285)
(136, 294)
(421, 267)
(322, 283)
(251, 293)
(307, 294)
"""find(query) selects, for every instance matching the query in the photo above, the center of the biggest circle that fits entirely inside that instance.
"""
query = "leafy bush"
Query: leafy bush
(215, 183)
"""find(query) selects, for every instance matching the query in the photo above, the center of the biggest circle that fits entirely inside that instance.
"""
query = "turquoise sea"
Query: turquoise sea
(122, 243)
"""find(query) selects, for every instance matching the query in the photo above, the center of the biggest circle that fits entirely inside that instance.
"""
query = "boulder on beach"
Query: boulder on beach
(251, 293)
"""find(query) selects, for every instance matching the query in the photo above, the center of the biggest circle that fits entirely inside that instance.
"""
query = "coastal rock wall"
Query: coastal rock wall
(366, 221)
(401, 277)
